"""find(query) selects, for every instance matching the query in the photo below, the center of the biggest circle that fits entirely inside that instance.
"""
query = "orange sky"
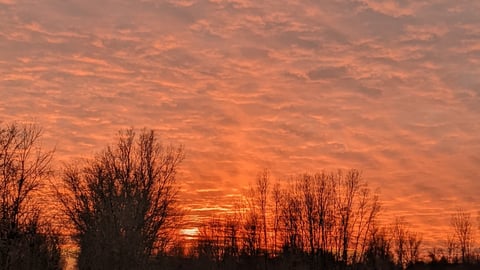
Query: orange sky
(388, 87)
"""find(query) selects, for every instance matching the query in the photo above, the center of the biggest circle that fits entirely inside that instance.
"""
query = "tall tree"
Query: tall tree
(463, 233)
(325, 193)
(25, 242)
(291, 220)
(307, 191)
(399, 233)
(122, 203)
(262, 189)
(251, 232)
(378, 253)
(262, 195)
(406, 243)
(277, 198)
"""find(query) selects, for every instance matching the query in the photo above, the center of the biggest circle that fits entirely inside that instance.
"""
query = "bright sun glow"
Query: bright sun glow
(190, 232)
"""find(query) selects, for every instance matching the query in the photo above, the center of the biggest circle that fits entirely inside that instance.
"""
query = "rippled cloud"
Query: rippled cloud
(388, 87)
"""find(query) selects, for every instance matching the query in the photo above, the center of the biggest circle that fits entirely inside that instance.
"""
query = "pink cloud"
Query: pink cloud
(391, 89)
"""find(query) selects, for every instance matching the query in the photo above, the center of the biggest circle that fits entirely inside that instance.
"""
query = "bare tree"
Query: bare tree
(406, 243)
(350, 188)
(262, 194)
(366, 209)
(399, 232)
(325, 199)
(122, 203)
(210, 242)
(463, 233)
(277, 197)
(25, 241)
(357, 209)
(330, 216)
(309, 206)
(232, 235)
(378, 254)
(451, 248)
(414, 240)
(251, 232)
(291, 218)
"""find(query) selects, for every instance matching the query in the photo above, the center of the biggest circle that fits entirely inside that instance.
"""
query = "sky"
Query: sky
(391, 88)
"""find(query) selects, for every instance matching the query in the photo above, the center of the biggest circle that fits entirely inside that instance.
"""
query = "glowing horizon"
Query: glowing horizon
(390, 88)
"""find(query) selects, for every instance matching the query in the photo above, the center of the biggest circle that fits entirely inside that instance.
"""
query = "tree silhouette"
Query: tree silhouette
(277, 197)
(122, 203)
(378, 254)
(25, 241)
(463, 233)
(262, 189)
(406, 243)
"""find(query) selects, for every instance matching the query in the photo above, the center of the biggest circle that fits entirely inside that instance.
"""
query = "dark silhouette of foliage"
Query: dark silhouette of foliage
(379, 254)
(122, 203)
(462, 234)
(122, 206)
(310, 223)
(25, 242)
(406, 244)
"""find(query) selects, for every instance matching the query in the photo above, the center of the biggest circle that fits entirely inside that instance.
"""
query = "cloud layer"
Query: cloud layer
(389, 87)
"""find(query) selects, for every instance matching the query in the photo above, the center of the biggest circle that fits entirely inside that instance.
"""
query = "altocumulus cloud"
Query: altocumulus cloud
(388, 87)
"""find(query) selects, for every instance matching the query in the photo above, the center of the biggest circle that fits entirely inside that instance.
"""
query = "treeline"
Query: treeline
(327, 220)
(121, 210)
